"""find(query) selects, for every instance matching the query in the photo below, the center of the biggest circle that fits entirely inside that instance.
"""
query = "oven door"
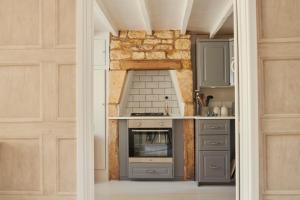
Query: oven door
(152, 142)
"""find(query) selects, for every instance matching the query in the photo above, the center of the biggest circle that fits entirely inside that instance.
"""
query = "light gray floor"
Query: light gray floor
(154, 190)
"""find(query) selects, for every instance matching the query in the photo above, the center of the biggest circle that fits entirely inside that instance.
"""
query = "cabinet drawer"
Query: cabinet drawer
(214, 125)
(214, 166)
(214, 142)
(150, 170)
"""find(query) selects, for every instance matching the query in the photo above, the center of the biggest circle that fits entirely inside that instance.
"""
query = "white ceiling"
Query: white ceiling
(202, 16)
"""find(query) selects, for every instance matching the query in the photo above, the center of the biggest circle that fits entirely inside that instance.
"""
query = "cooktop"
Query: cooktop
(147, 114)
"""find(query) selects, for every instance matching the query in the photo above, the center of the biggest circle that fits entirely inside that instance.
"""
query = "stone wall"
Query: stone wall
(161, 50)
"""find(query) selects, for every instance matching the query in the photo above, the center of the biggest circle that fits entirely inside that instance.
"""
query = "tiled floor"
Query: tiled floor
(152, 190)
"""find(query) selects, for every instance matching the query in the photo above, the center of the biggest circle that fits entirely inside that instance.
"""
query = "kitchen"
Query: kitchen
(171, 108)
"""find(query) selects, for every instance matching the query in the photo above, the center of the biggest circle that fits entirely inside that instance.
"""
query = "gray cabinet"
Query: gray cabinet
(213, 63)
(214, 151)
(150, 170)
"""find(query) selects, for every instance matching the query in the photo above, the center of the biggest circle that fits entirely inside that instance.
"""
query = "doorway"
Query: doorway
(90, 151)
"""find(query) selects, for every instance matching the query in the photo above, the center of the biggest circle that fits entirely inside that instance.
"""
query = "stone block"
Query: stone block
(167, 41)
(183, 44)
(114, 65)
(136, 34)
(164, 34)
(119, 54)
(155, 55)
(163, 47)
(178, 54)
(138, 55)
(116, 83)
(152, 41)
(115, 44)
(123, 34)
(186, 64)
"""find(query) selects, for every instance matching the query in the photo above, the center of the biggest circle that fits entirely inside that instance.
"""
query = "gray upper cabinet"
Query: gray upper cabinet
(213, 63)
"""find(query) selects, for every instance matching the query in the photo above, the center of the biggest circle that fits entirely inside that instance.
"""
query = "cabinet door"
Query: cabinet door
(214, 166)
(213, 63)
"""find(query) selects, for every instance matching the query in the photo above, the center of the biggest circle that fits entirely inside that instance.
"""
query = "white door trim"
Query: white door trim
(84, 99)
(248, 100)
(248, 90)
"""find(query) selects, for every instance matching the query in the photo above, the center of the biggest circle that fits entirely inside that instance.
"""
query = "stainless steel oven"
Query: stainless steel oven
(150, 141)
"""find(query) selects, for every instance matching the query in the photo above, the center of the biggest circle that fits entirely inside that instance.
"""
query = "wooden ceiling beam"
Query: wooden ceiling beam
(186, 15)
(221, 19)
(146, 17)
(104, 14)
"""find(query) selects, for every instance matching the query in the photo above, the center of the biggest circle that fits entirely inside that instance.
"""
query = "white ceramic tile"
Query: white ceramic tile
(134, 91)
(153, 72)
(158, 91)
(151, 97)
(152, 110)
(136, 78)
(140, 72)
(139, 84)
(146, 104)
(145, 91)
(145, 78)
(165, 85)
(133, 104)
(158, 78)
(139, 98)
(158, 104)
(138, 110)
(151, 84)
(169, 91)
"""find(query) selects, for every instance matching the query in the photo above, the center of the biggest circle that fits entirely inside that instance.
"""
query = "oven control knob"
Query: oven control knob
(161, 123)
(139, 124)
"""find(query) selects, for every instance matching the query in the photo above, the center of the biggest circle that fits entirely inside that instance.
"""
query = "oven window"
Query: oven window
(150, 143)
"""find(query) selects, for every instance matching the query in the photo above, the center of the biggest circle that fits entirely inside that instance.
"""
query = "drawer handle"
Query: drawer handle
(213, 167)
(214, 127)
(213, 143)
(150, 171)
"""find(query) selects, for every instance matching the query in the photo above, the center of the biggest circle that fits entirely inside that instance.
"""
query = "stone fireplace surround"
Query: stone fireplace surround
(163, 50)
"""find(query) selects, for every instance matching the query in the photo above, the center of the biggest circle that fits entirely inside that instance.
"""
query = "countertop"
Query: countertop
(171, 117)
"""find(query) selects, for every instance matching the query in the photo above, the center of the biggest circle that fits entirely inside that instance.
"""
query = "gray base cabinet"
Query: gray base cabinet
(214, 151)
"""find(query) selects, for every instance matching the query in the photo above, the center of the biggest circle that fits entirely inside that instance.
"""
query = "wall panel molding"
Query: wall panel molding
(8, 76)
(25, 165)
(18, 35)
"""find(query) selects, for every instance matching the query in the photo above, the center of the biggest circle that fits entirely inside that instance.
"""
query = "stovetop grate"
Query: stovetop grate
(147, 114)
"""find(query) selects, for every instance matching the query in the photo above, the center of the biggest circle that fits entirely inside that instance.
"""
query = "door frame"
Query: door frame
(248, 176)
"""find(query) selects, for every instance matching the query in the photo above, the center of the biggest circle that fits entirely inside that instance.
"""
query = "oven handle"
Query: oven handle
(149, 130)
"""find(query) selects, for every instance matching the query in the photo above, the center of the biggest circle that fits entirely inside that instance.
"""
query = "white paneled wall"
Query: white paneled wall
(148, 91)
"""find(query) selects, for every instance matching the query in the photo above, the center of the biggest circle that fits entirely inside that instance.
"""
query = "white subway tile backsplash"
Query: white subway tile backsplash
(152, 110)
(148, 91)
(134, 91)
(133, 104)
(151, 84)
(146, 104)
(145, 78)
(139, 84)
(159, 78)
(145, 91)
(158, 104)
(152, 98)
(138, 110)
(152, 72)
(169, 91)
(158, 91)
(139, 98)
(165, 84)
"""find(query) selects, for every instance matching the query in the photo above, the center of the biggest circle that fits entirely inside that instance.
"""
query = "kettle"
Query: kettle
(224, 111)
